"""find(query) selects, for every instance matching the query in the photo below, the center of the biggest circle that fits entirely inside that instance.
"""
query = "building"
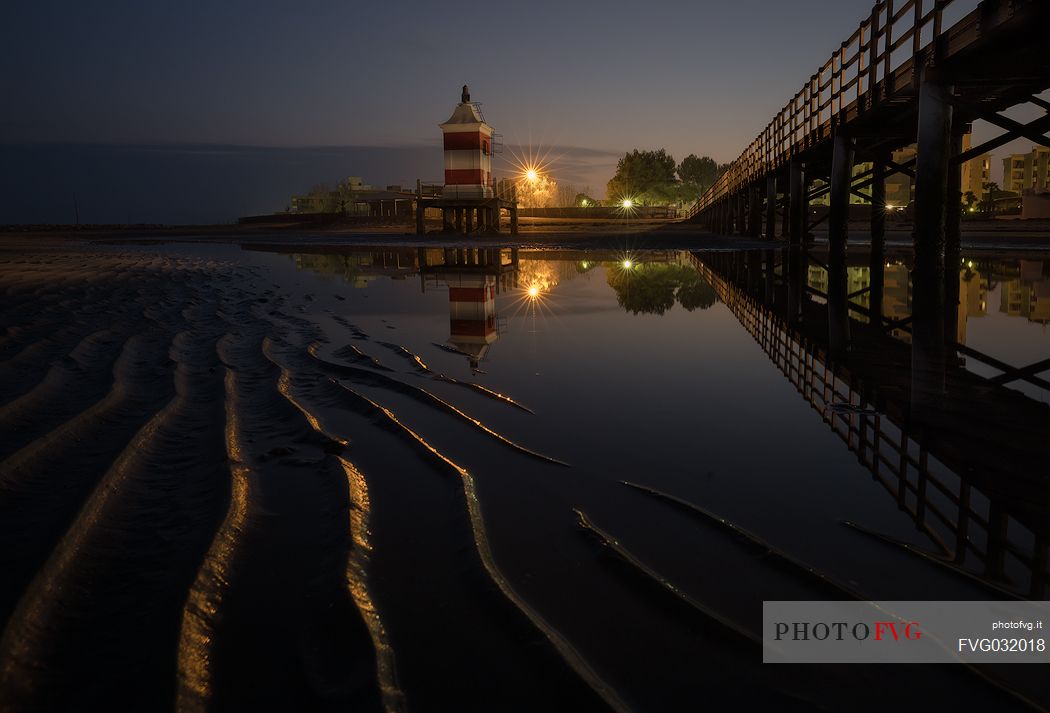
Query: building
(973, 299)
(1035, 206)
(1028, 171)
(353, 196)
(468, 153)
(323, 200)
(898, 185)
(1027, 295)
(976, 173)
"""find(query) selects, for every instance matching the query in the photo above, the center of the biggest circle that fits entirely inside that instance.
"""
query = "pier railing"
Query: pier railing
(872, 66)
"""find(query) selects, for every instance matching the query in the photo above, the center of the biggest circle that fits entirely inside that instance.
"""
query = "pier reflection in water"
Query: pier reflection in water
(965, 456)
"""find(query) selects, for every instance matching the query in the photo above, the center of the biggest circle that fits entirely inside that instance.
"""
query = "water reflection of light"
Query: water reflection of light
(626, 263)
(544, 274)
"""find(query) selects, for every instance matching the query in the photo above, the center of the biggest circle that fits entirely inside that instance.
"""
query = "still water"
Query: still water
(636, 370)
(574, 477)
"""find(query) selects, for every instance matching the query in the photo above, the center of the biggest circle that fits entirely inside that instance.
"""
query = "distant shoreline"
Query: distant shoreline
(537, 232)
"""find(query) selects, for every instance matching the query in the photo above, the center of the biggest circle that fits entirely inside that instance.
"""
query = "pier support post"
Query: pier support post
(754, 272)
(769, 286)
(953, 237)
(785, 212)
(797, 201)
(469, 220)
(514, 219)
(793, 270)
(754, 218)
(877, 256)
(771, 206)
(931, 193)
(459, 220)
(420, 209)
(838, 221)
(741, 211)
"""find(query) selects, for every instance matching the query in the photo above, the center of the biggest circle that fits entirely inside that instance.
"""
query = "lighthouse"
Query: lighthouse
(468, 201)
(472, 314)
(468, 153)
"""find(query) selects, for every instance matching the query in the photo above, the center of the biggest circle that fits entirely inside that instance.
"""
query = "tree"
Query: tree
(564, 195)
(582, 200)
(970, 199)
(701, 172)
(539, 192)
(698, 175)
(643, 176)
(989, 203)
(345, 191)
(696, 293)
(654, 288)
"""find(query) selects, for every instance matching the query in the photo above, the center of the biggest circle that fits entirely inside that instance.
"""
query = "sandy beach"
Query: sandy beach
(167, 459)
(232, 478)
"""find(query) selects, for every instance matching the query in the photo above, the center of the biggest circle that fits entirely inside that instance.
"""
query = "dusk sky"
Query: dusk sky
(229, 109)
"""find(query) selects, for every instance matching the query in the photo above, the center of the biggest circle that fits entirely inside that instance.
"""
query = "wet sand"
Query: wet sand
(181, 522)
(206, 502)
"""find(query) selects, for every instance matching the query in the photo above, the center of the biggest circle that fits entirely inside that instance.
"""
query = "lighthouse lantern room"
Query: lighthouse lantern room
(468, 153)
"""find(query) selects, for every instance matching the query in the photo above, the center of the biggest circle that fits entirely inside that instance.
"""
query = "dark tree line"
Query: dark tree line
(653, 177)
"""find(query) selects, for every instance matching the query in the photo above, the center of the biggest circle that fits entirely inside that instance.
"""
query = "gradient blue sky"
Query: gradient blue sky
(585, 80)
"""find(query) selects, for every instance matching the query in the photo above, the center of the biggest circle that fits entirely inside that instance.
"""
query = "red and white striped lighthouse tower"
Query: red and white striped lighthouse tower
(468, 153)
(472, 314)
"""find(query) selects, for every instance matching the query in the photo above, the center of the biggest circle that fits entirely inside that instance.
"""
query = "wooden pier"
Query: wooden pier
(901, 78)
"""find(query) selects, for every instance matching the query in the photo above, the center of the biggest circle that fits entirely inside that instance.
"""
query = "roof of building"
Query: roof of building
(465, 113)
(376, 195)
